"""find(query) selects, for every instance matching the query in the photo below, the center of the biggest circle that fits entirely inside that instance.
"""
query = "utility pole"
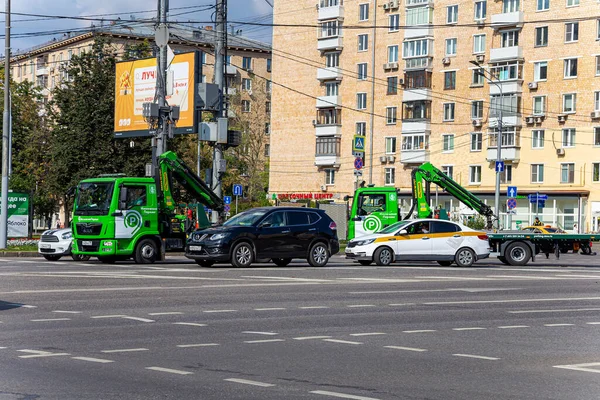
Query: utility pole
(372, 95)
(5, 132)
(162, 40)
(220, 54)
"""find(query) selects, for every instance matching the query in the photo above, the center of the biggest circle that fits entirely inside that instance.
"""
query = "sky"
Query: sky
(239, 10)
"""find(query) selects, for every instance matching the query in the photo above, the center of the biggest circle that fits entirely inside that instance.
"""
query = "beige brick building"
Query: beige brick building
(400, 73)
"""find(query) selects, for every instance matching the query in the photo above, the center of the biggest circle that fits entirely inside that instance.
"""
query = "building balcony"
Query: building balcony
(42, 70)
(507, 153)
(414, 156)
(418, 31)
(416, 94)
(507, 120)
(505, 20)
(506, 53)
(327, 151)
(329, 101)
(328, 130)
(416, 3)
(330, 43)
(515, 86)
(230, 70)
(324, 160)
(327, 74)
(331, 12)
(421, 125)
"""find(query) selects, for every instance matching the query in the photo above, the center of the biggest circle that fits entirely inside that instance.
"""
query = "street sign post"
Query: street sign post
(534, 198)
(358, 163)
(238, 190)
(512, 191)
(499, 166)
(511, 203)
(358, 144)
(227, 199)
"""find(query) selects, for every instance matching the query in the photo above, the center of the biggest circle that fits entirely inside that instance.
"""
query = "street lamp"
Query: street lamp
(481, 72)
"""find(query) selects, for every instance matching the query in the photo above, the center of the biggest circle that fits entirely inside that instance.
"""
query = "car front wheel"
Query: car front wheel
(384, 256)
(319, 255)
(146, 252)
(242, 255)
(464, 257)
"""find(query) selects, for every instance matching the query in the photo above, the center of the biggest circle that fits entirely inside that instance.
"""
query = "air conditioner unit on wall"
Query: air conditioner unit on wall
(383, 159)
(529, 120)
(562, 118)
(386, 6)
(532, 85)
(595, 114)
(539, 119)
(477, 123)
(445, 61)
(394, 4)
(391, 65)
(560, 152)
(480, 57)
(324, 188)
(391, 159)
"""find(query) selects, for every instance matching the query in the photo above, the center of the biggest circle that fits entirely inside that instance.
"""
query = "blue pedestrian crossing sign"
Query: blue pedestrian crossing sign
(358, 144)
(499, 166)
(237, 190)
(512, 191)
(227, 199)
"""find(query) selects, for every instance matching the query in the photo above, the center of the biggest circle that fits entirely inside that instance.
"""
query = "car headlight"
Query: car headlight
(218, 236)
(67, 235)
(363, 242)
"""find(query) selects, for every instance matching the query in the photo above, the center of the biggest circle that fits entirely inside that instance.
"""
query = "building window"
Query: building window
(393, 54)
(390, 176)
(509, 39)
(541, 36)
(480, 10)
(416, 48)
(449, 80)
(451, 47)
(267, 128)
(268, 107)
(392, 85)
(247, 63)
(479, 44)
(539, 105)
(569, 103)
(390, 115)
(448, 111)
(330, 29)
(419, 16)
(571, 32)
(245, 106)
(596, 101)
(510, 6)
(390, 145)
(361, 128)
(361, 101)
(332, 88)
(246, 84)
(477, 77)
(476, 141)
(568, 137)
(267, 150)
(570, 68)
(448, 143)
(452, 14)
(572, 3)
(363, 12)
(597, 65)
(509, 104)
(269, 86)
(394, 20)
(540, 71)
(537, 139)
(448, 170)
(330, 176)
(269, 62)
(363, 42)
(332, 60)
(567, 173)
(598, 29)
(596, 136)
(475, 174)
(595, 172)
(362, 71)
(477, 109)
(542, 5)
(537, 173)
(506, 176)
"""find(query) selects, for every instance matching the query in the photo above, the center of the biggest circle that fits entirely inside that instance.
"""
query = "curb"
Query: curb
(20, 254)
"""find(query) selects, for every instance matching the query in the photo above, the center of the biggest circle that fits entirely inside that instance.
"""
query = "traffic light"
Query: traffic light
(234, 138)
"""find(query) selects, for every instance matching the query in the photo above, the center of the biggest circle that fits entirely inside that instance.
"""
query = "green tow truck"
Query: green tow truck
(374, 208)
(117, 217)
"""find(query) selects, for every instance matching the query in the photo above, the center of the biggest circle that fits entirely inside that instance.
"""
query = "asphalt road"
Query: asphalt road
(71, 330)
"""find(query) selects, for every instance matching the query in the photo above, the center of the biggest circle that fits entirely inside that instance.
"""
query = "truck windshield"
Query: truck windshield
(394, 227)
(246, 218)
(93, 198)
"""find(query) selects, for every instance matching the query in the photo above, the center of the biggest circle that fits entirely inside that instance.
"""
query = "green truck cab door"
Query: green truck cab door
(135, 210)
(372, 210)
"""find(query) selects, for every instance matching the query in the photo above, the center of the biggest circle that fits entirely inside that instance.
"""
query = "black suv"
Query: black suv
(278, 233)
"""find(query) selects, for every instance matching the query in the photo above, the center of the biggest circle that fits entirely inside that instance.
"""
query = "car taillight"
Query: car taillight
(482, 237)
(332, 226)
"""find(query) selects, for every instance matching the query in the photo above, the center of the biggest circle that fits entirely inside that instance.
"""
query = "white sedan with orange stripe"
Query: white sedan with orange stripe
(446, 242)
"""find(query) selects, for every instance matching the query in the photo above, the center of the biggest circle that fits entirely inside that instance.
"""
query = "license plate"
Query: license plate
(45, 246)
(86, 242)
(195, 248)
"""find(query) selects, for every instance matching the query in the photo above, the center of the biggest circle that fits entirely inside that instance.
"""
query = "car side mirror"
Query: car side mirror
(123, 198)
(346, 198)
(403, 232)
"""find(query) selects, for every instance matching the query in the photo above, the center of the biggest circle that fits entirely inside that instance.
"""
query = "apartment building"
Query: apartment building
(442, 82)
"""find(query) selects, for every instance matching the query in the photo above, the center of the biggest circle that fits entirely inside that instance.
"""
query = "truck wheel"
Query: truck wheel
(464, 257)
(517, 253)
(107, 260)
(146, 252)
(445, 263)
(365, 262)
(282, 262)
(242, 255)
(318, 255)
(51, 258)
(503, 260)
(205, 263)
(383, 256)
(80, 257)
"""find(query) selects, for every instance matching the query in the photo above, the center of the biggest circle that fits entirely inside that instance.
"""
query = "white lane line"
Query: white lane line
(50, 319)
(420, 331)
(368, 334)
(474, 356)
(197, 345)
(287, 279)
(188, 323)
(513, 326)
(90, 359)
(311, 337)
(165, 313)
(475, 328)
(342, 395)
(312, 307)
(261, 333)
(247, 382)
(552, 311)
(559, 324)
(405, 348)
(123, 350)
(360, 305)
(264, 341)
(437, 303)
(39, 353)
(140, 319)
(170, 371)
(593, 323)
(2, 348)
(109, 316)
(401, 304)
(341, 341)
(270, 309)
(219, 311)
(28, 306)
(581, 367)
(66, 312)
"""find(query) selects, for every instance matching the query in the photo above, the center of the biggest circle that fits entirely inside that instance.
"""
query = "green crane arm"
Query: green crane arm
(430, 174)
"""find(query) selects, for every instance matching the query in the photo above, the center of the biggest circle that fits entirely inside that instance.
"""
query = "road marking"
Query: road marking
(593, 323)
(109, 316)
(404, 348)
(551, 311)
(170, 371)
(188, 323)
(269, 309)
(474, 356)
(361, 305)
(264, 341)
(420, 331)
(38, 353)
(219, 311)
(261, 333)
(311, 337)
(197, 345)
(123, 350)
(139, 319)
(340, 341)
(468, 290)
(166, 313)
(285, 278)
(342, 395)
(401, 304)
(581, 367)
(97, 360)
(50, 319)
(559, 324)
(368, 334)
(247, 382)
(312, 307)
(468, 329)
(513, 326)
(437, 303)
(66, 312)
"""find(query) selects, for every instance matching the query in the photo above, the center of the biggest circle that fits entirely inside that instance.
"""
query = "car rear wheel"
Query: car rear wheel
(51, 258)
(445, 263)
(282, 262)
(518, 253)
(464, 257)
(383, 256)
(205, 263)
(365, 262)
(242, 255)
(319, 255)
(80, 257)
(146, 252)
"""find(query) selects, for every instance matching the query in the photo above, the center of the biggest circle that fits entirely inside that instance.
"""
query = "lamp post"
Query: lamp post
(498, 141)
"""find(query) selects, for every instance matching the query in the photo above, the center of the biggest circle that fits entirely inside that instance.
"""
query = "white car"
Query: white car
(56, 243)
(421, 240)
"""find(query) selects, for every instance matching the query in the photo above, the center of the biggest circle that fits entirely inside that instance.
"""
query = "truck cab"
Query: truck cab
(373, 209)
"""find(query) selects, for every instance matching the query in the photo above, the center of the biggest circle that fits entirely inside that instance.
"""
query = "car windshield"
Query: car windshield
(246, 218)
(93, 198)
(394, 227)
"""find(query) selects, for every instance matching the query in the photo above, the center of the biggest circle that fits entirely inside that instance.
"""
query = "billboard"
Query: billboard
(136, 84)
(18, 215)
